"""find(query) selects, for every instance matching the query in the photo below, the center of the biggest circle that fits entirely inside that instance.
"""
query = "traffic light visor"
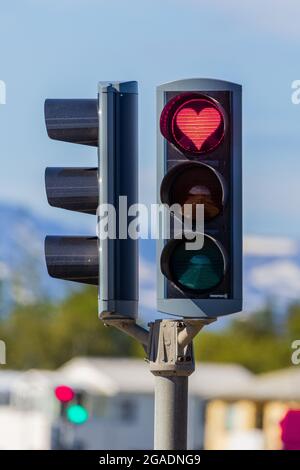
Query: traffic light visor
(73, 258)
(73, 121)
(75, 189)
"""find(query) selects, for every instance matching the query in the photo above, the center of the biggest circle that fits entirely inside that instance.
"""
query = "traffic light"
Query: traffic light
(110, 124)
(199, 163)
(71, 404)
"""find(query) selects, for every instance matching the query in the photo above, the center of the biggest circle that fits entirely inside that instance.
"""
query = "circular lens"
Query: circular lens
(198, 271)
(77, 414)
(193, 122)
(193, 184)
(64, 393)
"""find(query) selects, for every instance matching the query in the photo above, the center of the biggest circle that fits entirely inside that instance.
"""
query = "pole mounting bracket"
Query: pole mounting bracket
(170, 347)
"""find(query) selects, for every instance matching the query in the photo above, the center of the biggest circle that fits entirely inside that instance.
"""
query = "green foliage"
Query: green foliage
(26, 334)
(293, 322)
(260, 355)
(47, 335)
(257, 342)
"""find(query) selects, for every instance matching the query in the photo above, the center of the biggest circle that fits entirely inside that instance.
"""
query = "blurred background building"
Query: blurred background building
(230, 408)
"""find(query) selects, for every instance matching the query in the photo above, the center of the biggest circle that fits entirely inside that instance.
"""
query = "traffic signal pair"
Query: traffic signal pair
(198, 164)
(71, 404)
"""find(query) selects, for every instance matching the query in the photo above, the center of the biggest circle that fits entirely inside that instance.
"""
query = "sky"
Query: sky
(62, 48)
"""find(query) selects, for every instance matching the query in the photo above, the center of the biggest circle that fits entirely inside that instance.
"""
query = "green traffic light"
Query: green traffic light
(198, 270)
(77, 414)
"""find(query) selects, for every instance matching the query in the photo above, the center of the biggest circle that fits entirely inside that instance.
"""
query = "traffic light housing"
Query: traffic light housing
(110, 124)
(199, 162)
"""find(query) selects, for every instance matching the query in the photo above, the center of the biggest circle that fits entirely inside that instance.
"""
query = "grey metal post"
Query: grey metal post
(172, 361)
(171, 406)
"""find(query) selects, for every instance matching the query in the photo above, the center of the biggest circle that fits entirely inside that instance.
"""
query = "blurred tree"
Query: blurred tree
(26, 334)
(78, 331)
(253, 342)
(46, 335)
(261, 324)
(293, 321)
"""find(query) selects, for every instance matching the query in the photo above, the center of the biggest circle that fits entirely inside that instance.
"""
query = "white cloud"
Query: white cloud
(270, 246)
(148, 298)
(253, 301)
(22, 295)
(4, 271)
(279, 278)
(147, 272)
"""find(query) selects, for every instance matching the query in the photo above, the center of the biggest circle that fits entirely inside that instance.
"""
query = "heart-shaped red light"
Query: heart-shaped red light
(198, 127)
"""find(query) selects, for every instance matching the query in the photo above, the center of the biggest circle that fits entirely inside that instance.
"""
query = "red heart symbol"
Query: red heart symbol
(198, 126)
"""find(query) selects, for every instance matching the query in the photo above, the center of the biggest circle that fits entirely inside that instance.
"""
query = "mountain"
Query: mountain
(23, 273)
(271, 272)
(271, 265)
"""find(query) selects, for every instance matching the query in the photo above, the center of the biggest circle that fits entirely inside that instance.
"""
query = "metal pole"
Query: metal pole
(171, 405)
(170, 352)
(171, 359)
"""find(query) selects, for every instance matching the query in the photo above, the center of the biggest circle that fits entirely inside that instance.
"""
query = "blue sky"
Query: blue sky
(62, 48)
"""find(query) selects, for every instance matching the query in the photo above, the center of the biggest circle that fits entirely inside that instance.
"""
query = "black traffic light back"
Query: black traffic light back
(73, 258)
(110, 124)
